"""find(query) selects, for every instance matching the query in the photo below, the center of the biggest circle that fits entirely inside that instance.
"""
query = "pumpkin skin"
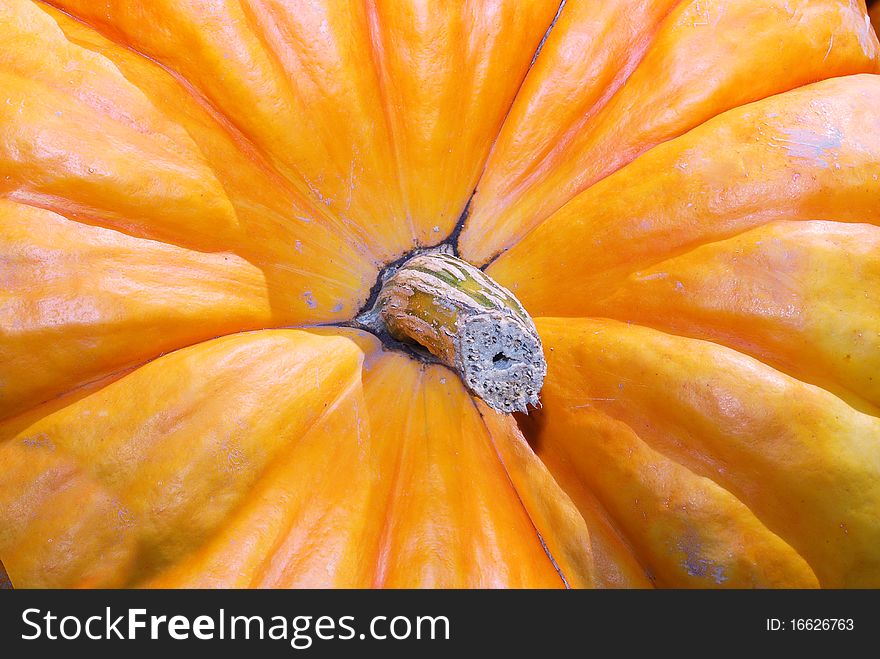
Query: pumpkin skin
(196, 195)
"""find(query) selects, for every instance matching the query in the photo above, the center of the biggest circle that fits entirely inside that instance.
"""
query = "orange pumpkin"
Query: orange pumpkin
(874, 12)
(197, 199)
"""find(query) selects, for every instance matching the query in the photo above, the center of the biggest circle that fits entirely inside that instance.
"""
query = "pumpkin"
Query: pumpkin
(874, 12)
(239, 242)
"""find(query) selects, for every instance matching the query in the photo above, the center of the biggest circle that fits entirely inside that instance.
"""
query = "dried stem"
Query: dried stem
(469, 322)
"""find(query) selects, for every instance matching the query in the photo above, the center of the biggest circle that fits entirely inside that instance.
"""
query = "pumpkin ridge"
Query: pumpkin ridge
(375, 47)
(564, 453)
(833, 384)
(88, 387)
(597, 510)
(693, 469)
(14, 424)
(564, 135)
(356, 236)
(165, 296)
(244, 438)
(839, 391)
(673, 228)
(621, 273)
(546, 35)
(501, 220)
(550, 514)
(516, 493)
(385, 536)
(259, 572)
(603, 510)
(740, 509)
(135, 127)
(774, 443)
(42, 202)
(453, 237)
(245, 143)
(525, 508)
(274, 539)
(408, 63)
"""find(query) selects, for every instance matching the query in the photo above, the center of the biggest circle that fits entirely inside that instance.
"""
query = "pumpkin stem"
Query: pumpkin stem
(468, 322)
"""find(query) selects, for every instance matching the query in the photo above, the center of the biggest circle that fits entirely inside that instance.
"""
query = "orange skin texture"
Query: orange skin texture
(694, 62)
(195, 195)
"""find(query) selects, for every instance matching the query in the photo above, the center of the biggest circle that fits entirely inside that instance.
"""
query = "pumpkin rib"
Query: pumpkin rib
(200, 568)
(381, 567)
(46, 321)
(453, 237)
(375, 60)
(719, 172)
(274, 539)
(623, 131)
(736, 233)
(43, 203)
(566, 135)
(247, 146)
(49, 199)
(446, 104)
(529, 513)
(658, 308)
(722, 411)
(202, 295)
(330, 409)
(13, 425)
(622, 275)
(285, 160)
(550, 27)
(341, 283)
(697, 474)
(132, 126)
(235, 446)
(565, 582)
(617, 551)
(545, 569)
(846, 396)
(640, 548)
(690, 469)
(56, 205)
(449, 515)
(351, 236)
(721, 504)
(635, 52)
